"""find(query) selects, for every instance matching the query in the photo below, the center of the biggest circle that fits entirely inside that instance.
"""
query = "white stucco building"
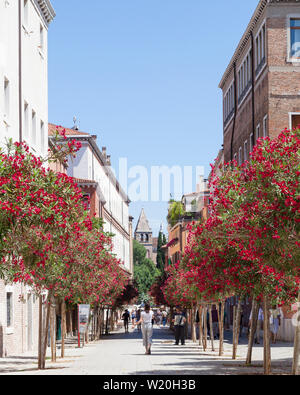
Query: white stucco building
(23, 117)
(92, 170)
(24, 71)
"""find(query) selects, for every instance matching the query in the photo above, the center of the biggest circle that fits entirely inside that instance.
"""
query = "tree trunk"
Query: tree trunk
(221, 328)
(40, 346)
(200, 310)
(236, 333)
(296, 359)
(253, 328)
(71, 322)
(112, 323)
(233, 329)
(106, 324)
(46, 328)
(63, 328)
(98, 332)
(211, 330)
(52, 332)
(205, 328)
(193, 322)
(267, 347)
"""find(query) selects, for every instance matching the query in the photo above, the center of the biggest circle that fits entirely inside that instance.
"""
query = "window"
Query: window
(295, 121)
(33, 127)
(265, 127)
(257, 135)
(240, 156)
(86, 199)
(251, 142)
(245, 150)
(295, 37)
(260, 50)
(6, 97)
(9, 309)
(229, 104)
(244, 77)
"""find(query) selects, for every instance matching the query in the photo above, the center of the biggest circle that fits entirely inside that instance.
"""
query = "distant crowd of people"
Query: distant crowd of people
(145, 319)
(160, 318)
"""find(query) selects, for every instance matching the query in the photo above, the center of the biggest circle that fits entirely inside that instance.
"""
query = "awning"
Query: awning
(173, 242)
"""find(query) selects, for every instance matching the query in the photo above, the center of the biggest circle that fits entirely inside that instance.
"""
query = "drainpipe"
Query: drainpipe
(20, 74)
(235, 111)
(253, 86)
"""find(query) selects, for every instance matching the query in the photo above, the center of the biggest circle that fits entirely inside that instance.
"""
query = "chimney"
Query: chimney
(108, 160)
(104, 152)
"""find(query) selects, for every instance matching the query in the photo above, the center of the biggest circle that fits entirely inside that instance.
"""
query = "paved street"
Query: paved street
(123, 354)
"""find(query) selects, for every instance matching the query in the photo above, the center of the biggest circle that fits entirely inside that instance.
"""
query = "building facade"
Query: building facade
(92, 170)
(23, 117)
(24, 72)
(261, 90)
(195, 207)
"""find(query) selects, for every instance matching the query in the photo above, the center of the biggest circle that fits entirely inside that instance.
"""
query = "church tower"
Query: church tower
(143, 234)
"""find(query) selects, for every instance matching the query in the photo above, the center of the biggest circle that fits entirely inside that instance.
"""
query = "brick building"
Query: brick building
(261, 85)
(261, 89)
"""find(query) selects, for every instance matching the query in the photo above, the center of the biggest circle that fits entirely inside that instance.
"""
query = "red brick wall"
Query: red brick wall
(277, 89)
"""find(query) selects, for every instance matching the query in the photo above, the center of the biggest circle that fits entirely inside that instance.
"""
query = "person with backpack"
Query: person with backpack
(147, 327)
(179, 326)
(125, 318)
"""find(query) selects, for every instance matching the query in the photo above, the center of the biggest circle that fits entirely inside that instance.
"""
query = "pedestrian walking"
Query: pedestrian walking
(164, 318)
(147, 327)
(179, 326)
(125, 318)
(275, 321)
(133, 316)
(159, 318)
(138, 317)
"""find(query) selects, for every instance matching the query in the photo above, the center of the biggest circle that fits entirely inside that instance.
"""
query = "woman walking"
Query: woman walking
(275, 323)
(147, 327)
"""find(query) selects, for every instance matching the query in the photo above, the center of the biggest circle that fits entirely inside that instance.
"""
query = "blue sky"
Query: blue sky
(143, 76)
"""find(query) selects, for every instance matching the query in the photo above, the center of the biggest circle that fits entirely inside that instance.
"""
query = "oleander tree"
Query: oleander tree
(47, 239)
(250, 244)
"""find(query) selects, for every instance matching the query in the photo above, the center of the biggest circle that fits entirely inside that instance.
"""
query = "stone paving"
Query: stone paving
(123, 354)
